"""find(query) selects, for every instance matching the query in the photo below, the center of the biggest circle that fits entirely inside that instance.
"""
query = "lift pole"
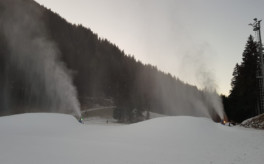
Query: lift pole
(260, 67)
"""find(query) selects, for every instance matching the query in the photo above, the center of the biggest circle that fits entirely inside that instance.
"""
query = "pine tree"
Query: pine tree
(242, 101)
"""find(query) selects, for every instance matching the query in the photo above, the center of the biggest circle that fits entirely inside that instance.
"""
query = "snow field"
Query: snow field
(58, 138)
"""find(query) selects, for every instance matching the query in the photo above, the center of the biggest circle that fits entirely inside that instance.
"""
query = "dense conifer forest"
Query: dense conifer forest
(99, 68)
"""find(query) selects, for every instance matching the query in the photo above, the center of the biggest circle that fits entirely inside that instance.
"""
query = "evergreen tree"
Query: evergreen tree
(242, 101)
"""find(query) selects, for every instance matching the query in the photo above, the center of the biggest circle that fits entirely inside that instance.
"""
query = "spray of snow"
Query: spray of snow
(206, 78)
(37, 57)
(196, 63)
(179, 99)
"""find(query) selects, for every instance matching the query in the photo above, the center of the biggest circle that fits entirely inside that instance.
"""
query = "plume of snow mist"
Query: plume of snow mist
(181, 99)
(37, 57)
(197, 60)
(213, 100)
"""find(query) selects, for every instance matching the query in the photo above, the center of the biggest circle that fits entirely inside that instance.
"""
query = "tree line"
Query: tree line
(242, 101)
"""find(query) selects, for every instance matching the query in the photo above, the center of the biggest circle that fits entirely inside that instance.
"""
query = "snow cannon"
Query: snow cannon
(225, 121)
(81, 120)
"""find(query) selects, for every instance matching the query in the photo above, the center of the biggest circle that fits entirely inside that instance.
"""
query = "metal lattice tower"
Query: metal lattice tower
(260, 66)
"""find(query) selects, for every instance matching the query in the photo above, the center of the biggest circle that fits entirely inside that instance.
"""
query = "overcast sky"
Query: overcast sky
(198, 41)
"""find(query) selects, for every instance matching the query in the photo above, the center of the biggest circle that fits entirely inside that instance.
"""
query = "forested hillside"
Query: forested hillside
(99, 69)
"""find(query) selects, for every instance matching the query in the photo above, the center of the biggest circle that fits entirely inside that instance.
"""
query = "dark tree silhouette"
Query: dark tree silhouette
(242, 101)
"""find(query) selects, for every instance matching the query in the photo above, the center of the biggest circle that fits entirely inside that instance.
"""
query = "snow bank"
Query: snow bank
(59, 138)
(254, 122)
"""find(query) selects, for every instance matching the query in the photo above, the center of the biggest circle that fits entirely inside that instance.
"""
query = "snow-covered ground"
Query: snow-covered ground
(60, 139)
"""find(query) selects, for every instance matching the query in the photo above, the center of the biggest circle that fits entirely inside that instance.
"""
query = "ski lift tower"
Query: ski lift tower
(260, 66)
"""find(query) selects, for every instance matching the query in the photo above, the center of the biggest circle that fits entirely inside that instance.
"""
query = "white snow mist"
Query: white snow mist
(206, 78)
(180, 99)
(37, 57)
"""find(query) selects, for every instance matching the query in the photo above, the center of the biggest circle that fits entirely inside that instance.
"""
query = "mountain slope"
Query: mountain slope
(98, 68)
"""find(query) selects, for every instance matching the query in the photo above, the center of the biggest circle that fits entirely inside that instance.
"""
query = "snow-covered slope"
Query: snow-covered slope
(59, 138)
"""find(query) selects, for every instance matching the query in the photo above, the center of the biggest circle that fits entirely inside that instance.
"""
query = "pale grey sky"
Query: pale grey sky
(196, 40)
